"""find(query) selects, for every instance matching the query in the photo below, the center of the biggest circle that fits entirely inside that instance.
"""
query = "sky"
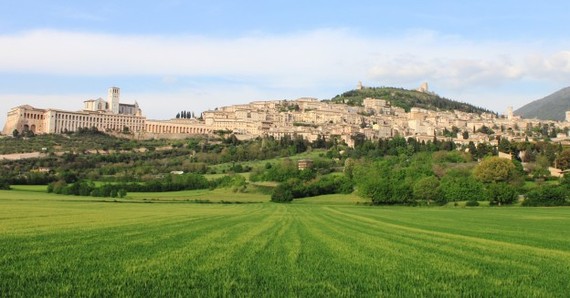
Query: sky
(174, 55)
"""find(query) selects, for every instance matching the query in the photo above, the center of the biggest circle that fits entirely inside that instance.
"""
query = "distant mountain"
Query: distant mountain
(406, 99)
(552, 107)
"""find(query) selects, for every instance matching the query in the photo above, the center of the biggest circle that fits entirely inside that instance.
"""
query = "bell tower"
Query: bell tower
(113, 99)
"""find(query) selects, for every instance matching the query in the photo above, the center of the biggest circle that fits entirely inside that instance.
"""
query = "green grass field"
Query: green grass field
(54, 245)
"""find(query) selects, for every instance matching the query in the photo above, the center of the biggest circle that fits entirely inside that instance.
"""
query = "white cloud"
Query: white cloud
(553, 66)
(53, 52)
(285, 65)
(320, 55)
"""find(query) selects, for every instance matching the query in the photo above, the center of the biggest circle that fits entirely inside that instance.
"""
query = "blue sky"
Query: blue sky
(196, 55)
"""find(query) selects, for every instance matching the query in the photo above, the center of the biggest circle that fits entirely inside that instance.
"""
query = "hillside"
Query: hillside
(551, 107)
(406, 99)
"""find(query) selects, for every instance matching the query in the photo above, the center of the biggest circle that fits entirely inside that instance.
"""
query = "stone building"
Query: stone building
(306, 117)
(108, 115)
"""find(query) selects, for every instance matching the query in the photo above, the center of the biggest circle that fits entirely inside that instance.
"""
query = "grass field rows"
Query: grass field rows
(53, 246)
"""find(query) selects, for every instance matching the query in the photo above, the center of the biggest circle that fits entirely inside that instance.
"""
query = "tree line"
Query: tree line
(426, 178)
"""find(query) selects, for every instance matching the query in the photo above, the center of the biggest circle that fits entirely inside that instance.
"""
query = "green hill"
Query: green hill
(406, 99)
(551, 107)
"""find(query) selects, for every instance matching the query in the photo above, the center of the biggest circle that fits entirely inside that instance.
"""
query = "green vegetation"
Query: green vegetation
(132, 224)
(135, 161)
(406, 99)
(55, 245)
(547, 196)
(80, 141)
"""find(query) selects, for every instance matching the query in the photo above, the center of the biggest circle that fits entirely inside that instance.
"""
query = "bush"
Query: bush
(501, 193)
(459, 185)
(282, 194)
(384, 182)
(427, 189)
(323, 186)
(546, 196)
(4, 185)
(228, 181)
(472, 204)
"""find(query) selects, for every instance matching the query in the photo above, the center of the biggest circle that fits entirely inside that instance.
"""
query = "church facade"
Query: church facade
(108, 115)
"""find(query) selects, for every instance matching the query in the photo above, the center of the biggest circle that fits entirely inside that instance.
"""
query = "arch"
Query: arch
(33, 128)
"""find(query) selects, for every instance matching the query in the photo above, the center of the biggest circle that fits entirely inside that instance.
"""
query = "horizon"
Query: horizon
(173, 56)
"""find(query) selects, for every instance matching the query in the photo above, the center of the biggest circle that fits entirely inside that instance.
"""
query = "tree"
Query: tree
(349, 165)
(495, 169)
(505, 145)
(427, 189)
(459, 185)
(563, 160)
(546, 195)
(282, 193)
(384, 182)
(465, 135)
(15, 133)
(540, 169)
(486, 130)
(4, 185)
(501, 193)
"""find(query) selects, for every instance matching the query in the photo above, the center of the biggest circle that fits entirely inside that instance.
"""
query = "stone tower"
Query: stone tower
(424, 88)
(567, 116)
(509, 113)
(113, 99)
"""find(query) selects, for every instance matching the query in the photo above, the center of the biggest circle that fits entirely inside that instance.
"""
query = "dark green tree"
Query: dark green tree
(547, 195)
(282, 194)
(427, 189)
(563, 160)
(459, 185)
(501, 193)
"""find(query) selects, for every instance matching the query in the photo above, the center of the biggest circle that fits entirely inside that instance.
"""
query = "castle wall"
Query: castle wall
(24, 118)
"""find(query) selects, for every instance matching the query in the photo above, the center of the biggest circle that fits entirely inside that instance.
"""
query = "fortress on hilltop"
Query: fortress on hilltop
(310, 118)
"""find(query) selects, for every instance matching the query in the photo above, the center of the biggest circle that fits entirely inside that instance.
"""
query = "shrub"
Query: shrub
(546, 196)
(282, 194)
(427, 189)
(4, 185)
(501, 193)
(459, 185)
(472, 204)
(228, 181)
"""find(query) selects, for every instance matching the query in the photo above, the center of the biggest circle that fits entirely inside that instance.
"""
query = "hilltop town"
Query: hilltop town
(310, 118)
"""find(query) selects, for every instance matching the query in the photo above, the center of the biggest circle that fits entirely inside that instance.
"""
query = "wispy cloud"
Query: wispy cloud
(284, 66)
(320, 55)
